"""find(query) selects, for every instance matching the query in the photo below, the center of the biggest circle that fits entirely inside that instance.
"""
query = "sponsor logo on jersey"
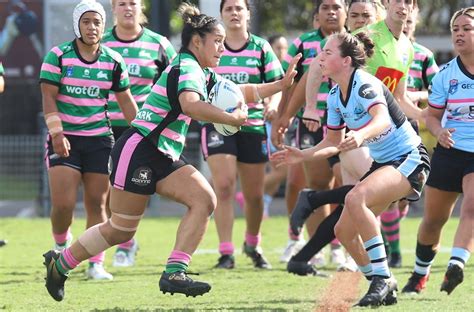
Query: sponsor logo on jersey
(240, 77)
(144, 115)
(233, 61)
(367, 91)
(102, 75)
(125, 52)
(405, 59)
(142, 176)
(87, 73)
(312, 53)
(69, 71)
(92, 91)
(389, 76)
(453, 86)
(133, 69)
(381, 137)
(468, 86)
(144, 54)
(251, 62)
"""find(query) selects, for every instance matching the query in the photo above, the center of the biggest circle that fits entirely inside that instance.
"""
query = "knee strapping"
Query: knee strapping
(124, 223)
(93, 241)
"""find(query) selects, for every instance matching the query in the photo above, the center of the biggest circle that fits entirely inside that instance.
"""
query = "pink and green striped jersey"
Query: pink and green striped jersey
(422, 69)
(146, 57)
(309, 44)
(84, 87)
(2, 71)
(255, 62)
(161, 118)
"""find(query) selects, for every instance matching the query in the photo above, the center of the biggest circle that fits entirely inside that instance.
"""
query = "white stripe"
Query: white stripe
(411, 162)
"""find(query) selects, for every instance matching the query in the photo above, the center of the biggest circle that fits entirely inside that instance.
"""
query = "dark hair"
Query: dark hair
(466, 11)
(273, 38)
(194, 23)
(363, 1)
(318, 3)
(358, 47)
(223, 2)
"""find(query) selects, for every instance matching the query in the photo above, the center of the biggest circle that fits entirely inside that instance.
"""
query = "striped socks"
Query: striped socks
(178, 261)
(378, 258)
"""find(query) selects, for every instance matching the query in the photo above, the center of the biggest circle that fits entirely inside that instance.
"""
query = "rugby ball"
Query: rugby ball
(225, 95)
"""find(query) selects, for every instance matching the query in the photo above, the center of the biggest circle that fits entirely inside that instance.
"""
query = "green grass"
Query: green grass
(241, 289)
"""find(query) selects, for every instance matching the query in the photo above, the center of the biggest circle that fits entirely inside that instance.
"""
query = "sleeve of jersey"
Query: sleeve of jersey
(334, 118)
(51, 69)
(121, 81)
(292, 51)
(437, 94)
(273, 70)
(169, 50)
(191, 80)
(166, 54)
(431, 69)
(370, 94)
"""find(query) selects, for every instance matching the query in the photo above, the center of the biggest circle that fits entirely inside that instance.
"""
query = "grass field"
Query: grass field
(241, 289)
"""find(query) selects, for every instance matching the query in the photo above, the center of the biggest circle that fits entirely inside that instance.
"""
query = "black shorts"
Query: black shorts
(290, 135)
(305, 138)
(137, 165)
(449, 166)
(415, 166)
(87, 153)
(249, 148)
(333, 160)
(118, 131)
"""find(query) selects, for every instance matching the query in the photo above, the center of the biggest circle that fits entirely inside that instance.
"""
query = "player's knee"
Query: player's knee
(433, 225)
(225, 189)
(354, 200)
(123, 227)
(63, 208)
(209, 203)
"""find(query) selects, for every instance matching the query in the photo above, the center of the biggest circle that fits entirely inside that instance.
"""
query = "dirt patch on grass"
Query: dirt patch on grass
(341, 294)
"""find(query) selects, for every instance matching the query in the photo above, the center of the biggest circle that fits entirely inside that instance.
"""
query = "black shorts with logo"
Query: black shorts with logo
(87, 154)
(415, 166)
(448, 168)
(250, 148)
(137, 165)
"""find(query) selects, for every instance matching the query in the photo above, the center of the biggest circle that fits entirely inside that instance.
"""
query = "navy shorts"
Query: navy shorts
(118, 131)
(415, 166)
(449, 166)
(305, 138)
(87, 153)
(249, 148)
(137, 165)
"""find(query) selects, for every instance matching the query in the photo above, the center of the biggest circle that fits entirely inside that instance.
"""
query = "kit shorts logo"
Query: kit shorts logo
(142, 176)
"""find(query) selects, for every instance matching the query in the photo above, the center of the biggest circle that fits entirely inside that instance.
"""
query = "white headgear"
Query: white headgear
(83, 7)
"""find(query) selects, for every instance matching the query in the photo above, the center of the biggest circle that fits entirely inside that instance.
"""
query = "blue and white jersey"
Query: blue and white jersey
(452, 89)
(366, 91)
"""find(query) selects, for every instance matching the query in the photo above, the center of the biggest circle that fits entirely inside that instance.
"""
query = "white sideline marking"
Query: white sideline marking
(279, 251)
